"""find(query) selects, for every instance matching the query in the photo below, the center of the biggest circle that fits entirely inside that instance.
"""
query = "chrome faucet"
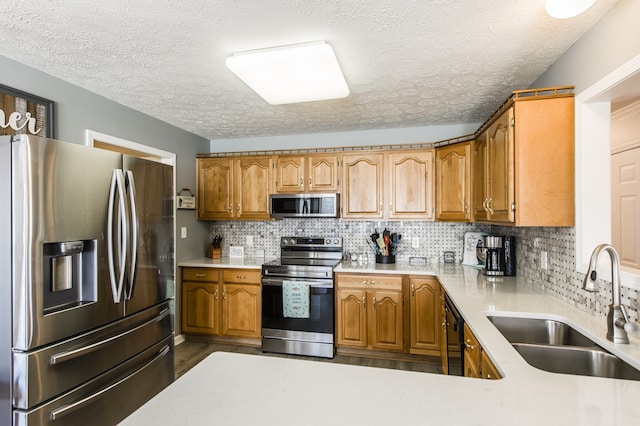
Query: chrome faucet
(617, 319)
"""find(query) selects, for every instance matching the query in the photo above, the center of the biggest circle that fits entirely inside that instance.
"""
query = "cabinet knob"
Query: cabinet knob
(310, 181)
(468, 345)
(215, 294)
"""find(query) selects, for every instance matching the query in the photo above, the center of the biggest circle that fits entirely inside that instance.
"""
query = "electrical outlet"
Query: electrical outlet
(183, 232)
(249, 240)
(543, 260)
(415, 242)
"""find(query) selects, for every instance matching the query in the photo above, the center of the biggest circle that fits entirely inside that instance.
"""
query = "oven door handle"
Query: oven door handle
(277, 282)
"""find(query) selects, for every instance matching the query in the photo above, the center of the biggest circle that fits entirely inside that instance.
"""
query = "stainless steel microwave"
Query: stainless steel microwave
(304, 205)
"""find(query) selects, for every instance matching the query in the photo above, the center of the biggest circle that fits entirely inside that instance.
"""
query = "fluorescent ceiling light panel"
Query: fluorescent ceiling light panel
(289, 74)
(563, 9)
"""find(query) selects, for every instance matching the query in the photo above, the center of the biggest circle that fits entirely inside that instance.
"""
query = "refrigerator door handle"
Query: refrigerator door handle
(117, 184)
(70, 408)
(134, 233)
(61, 357)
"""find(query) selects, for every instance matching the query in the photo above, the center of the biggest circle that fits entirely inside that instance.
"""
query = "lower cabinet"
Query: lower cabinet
(425, 315)
(225, 302)
(370, 312)
(476, 361)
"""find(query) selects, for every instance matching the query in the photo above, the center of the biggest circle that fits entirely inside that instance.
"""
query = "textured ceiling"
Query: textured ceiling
(408, 63)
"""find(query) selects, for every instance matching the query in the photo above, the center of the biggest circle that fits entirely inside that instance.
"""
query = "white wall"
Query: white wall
(345, 139)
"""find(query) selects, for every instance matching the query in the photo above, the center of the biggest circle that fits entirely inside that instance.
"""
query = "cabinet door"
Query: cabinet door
(252, 187)
(289, 174)
(241, 310)
(500, 151)
(453, 182)
(444, 353)
(480, 178)
(200, 308)
(214, 188)
(487, 368)
(425, 315)
(362, 186)
(322, 171)
(351, 318)
(410, 185)
(385, 320)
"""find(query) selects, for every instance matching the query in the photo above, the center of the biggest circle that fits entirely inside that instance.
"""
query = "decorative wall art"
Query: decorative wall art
(24, 114)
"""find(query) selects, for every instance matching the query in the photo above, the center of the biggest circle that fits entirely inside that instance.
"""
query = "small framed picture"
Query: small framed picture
(24, 114)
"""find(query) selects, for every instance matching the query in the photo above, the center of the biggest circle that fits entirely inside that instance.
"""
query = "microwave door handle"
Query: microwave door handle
(305, 207)
(134, 233)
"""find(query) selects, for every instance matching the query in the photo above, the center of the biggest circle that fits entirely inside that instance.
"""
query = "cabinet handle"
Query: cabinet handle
(390, 207)
(310, 181)
(380, 208)
(200, 275)
(301, 182)
(413, 290)
(241, 277)
(224, 294)
(215, 295)
(468, 345)
(466, 207)
(489, 201)
(374, 302)
(230, 208)
(238, 207)
(364, 302)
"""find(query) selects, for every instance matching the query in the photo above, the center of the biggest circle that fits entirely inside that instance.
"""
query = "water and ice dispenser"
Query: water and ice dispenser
(69, 274)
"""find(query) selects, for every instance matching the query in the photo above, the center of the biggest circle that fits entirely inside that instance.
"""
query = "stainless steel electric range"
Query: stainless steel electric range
(298, 297)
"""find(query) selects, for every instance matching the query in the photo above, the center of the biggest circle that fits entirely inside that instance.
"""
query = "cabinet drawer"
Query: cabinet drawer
(242, 276)
(201, 274)
(372, 282)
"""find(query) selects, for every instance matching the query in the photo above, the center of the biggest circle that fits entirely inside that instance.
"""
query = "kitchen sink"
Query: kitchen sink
(555, 346)
(539, 331)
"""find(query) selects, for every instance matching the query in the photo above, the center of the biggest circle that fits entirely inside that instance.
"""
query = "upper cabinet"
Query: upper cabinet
(233, 187)
(396, 185)
(524, 163)
(409, 186)
(362, 185)
(309, 173)
(453, 183)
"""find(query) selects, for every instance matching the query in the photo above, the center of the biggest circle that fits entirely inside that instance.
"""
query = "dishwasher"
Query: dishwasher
(455, 339)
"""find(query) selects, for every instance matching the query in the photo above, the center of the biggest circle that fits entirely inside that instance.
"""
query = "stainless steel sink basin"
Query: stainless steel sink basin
(539, 331)
(595, 362)
(556, 347)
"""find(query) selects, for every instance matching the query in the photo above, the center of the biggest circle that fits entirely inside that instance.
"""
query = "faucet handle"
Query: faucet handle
(631, 327)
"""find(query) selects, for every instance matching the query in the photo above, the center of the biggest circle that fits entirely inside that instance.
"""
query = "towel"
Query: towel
(295, 299)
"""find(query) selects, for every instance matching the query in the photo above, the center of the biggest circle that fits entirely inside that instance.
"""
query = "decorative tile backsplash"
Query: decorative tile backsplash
(559, 279)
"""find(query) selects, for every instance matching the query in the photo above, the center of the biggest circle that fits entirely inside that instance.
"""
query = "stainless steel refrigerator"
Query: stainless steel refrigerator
(86, 282)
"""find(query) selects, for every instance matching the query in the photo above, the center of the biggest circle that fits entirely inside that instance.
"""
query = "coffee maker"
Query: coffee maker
(500, 255)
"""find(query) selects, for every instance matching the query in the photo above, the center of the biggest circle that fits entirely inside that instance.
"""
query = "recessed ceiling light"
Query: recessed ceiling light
(563, 9)
(289, 74)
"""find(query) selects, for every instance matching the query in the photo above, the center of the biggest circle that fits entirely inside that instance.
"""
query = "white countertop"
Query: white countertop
(225, 262)
(235, 389)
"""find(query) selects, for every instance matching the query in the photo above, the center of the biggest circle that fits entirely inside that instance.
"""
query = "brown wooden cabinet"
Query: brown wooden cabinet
(395, 185)
(225, 302)
(233, 188)
(453, 183)
(476, 361)
(409, 184)
(306, 173)
(425, 315)
(370, 312)
(524, 163)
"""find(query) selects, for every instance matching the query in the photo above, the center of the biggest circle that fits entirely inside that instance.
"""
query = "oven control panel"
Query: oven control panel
(311, 242)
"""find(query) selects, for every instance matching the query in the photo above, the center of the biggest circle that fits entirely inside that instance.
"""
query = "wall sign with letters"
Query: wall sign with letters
(25, 114)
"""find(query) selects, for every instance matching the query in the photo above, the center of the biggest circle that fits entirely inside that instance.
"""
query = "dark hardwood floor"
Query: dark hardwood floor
(189, 353)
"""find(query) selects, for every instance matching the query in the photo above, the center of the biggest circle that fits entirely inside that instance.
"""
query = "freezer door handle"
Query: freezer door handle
(61, 357)
(70, 408)
(134, 233)
(117, 184)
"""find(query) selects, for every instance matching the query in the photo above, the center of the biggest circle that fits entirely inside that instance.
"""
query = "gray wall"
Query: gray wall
(613, 41)
(77, 109)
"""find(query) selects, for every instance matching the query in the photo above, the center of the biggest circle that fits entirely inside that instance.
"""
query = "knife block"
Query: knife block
(385, 259)
(214, 252)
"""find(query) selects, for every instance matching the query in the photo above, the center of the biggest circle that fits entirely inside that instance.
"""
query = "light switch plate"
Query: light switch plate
(236, 251)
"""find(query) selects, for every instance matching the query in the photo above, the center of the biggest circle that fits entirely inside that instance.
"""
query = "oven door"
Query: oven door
(321, 307)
